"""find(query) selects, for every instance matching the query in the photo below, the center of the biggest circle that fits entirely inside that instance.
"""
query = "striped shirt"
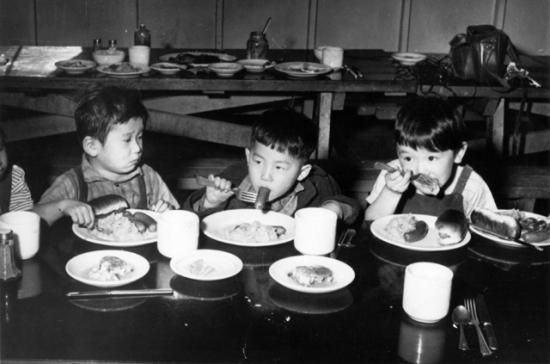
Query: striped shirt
(20, 194)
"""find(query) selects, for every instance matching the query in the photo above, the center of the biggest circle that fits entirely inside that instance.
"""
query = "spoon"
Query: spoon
(461, 317)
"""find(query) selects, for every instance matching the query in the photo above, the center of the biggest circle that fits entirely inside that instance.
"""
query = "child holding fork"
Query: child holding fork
(278, 159)
(430, 139)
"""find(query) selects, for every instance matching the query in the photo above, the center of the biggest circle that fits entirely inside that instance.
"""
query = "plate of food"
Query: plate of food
(423, 232)
(125, 228)
(75, 66)
(107, 268)
(207, 265)
(312, 274)
(167, 68)
(408, 59)
(505, 226)
(249, 227)
(303, 69)
(197, 59)
(122, 70)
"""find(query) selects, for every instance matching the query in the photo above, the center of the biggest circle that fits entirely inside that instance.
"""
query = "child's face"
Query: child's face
(3, 159)
(121, 152)
(437, 165)
(275, 170)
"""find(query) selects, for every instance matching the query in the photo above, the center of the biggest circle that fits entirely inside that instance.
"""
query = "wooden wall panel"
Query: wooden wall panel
(288, 27)
(433, 23)
(359, 24)
(78, 22)
(17, 22)
(527, 23)
(180, 23)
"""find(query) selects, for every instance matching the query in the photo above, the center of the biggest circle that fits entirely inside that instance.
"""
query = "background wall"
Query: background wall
(413, 25)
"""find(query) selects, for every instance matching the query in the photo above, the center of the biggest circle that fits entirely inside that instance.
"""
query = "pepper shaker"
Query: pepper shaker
(8, 267)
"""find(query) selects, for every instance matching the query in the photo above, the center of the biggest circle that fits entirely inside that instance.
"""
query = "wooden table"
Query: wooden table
(251, 318)
(32, 82)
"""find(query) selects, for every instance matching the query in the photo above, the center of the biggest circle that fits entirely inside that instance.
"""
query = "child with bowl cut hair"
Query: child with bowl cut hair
(109, 125)
(277, 158)
(14, 191)
(430, 138)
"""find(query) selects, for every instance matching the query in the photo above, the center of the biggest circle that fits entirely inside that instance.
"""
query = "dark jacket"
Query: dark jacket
(319, 187)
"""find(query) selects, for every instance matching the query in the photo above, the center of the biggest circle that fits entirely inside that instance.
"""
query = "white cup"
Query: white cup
(139, 55)
(427, 291)
(330, 56)
(26, 229)
(178, 232)
(315, 231)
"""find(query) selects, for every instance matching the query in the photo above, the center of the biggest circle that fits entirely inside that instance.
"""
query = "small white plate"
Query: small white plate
(343, 274)
(430, 241)
(75, 66)
(510, 243)
(78, 267)
(167, 68)
(207, 265)
(222, 57)
(303, 69)
(112, 71)
(217, 225)
(408, 59)
(89, 235)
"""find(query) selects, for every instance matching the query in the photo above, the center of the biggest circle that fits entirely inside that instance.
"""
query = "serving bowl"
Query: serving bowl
(256, 65)
(408, 59)
(107, 57)
(225, 69)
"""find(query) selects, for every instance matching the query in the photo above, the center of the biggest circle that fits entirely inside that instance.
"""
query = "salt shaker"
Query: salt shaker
(142, 36)
(256, 46)
(8, 267)
(96, 45)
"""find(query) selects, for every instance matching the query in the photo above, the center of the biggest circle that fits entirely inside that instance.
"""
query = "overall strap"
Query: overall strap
(142, 204)
(5, 193)
(82, 187)
(463, 179)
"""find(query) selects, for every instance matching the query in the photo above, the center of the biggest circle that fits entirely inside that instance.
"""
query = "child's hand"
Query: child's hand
(81, 213)
(161, 206)
(334, 207)
(218, 193)
(397, 181)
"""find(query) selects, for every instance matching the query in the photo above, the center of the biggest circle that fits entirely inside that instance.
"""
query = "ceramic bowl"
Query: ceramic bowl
(75, 66)
(256, 65)
(225, 69)
(105, 57)
(408, 59)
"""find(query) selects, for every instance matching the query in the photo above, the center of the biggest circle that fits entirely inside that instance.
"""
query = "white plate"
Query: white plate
(430, 241)
(303, 69)
(167, 68)
(75, 66)
(108, 71)
(78, 267)
(343, 274)
(222, 57)
(89, 235)
(216, 225)
(408, 59)
(207, 265)
(509, 242)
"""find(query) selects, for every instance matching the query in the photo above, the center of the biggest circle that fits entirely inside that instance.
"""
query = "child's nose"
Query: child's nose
(266, 174)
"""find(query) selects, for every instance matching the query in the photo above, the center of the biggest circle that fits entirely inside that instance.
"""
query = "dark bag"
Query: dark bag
(480, 54)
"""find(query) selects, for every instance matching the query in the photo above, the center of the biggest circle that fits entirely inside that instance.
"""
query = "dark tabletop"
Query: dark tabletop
(251, 318)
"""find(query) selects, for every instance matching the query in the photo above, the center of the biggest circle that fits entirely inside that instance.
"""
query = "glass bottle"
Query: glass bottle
(112, 46)
(96, 45)
(142, 36)
(256, 46)
(8, 267)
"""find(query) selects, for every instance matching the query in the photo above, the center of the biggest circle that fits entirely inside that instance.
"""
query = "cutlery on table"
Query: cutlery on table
(486, 323)
(344, 241)
(120, 293)
(483, 346)
(244, 196)
(461, 317)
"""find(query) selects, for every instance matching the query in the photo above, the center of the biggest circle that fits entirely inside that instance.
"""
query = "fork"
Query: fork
(244, 196)
(483, 347)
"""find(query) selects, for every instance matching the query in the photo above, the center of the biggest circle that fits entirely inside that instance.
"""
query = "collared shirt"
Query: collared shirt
(66, 186)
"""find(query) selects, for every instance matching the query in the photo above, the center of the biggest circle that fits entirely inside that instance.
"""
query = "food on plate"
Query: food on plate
(74, 64)
(110, 268)
(512, 224)
(497, 223)
(189, 58)
(406, 228)
(108, 204)
(200, 268)
(142, 221)
(123, 67)
(255, 232)
(451, 227)
(311, 276)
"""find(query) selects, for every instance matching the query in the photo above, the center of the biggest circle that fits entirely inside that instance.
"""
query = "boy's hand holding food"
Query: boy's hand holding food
(81, 213)
(218, 193)
(398, 181)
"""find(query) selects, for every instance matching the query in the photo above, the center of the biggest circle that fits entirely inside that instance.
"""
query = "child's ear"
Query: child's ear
(304, 172)
(91, 146)
(461, 152)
